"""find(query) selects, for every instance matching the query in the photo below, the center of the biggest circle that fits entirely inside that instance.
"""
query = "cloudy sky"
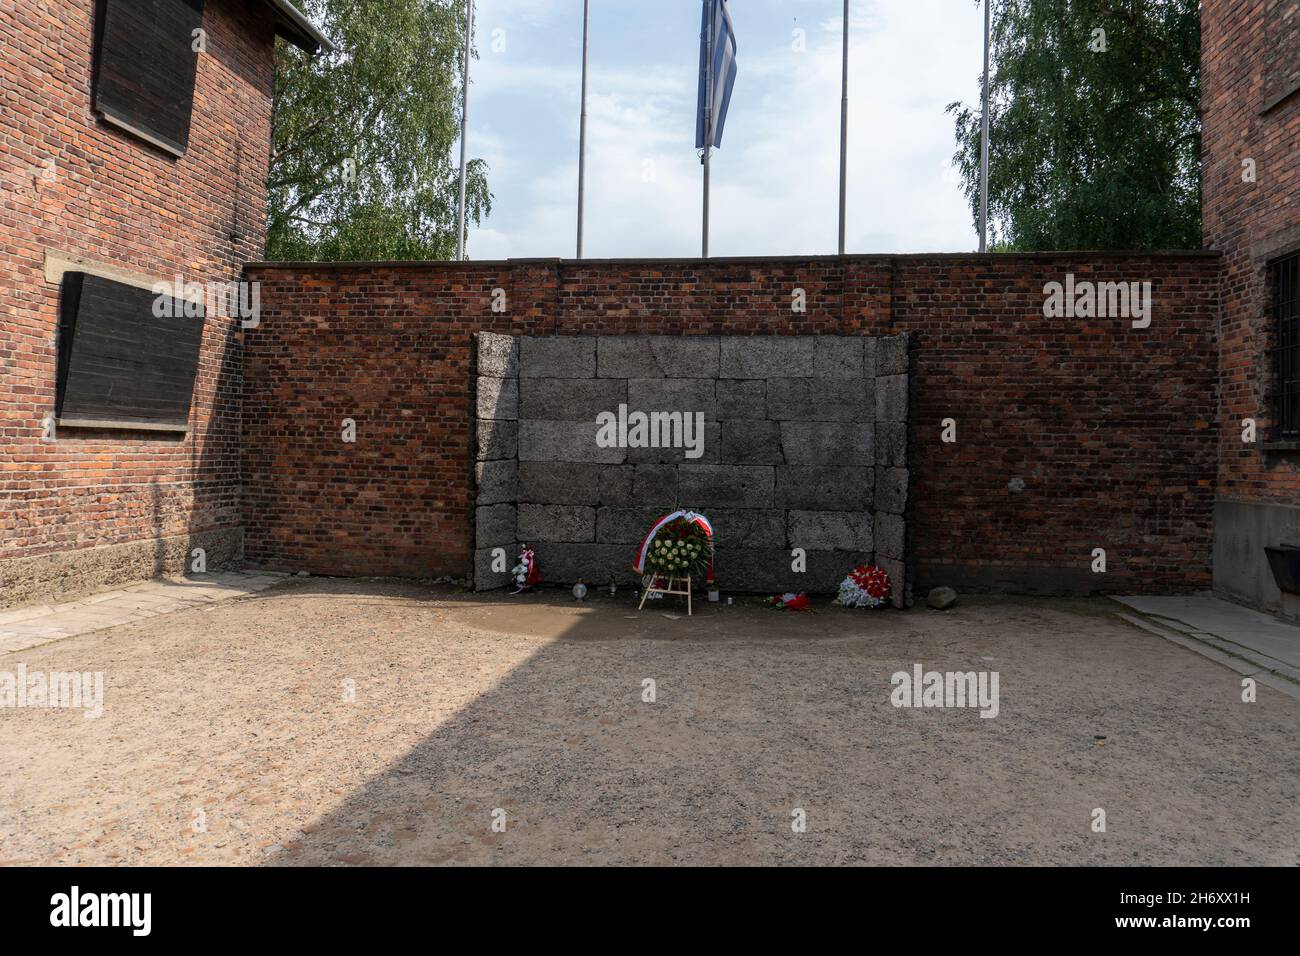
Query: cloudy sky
(775, 178)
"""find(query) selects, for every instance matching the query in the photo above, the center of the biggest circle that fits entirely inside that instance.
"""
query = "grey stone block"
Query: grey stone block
(870, 357)
(891, 490)
(748, 528)
(819, 400)
(614, 484)
(498, 355)
(497, 398)
(496, 481)
(564, 441)
(750, 443)
(725, 486)
(559, 482)
(570, 399)
(768, 571)
(709, 449)
(891, 354)
(824, 487)
(766, 356)
(671, 395)
(838, 356)
(557, 356)
(657, 356)
(625, 525)
(595, 564)
(828, 443)
(496, 439)
(485, 578)
(655, 485)
(891, 443)
(556, 523)
(891, 398)
(740, 398)
(494, 525)
(891, 537)
(829, 530)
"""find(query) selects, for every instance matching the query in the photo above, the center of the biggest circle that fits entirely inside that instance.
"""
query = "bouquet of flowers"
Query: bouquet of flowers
(866, 586)
(789, 601)
(526, 573)
(680, 549)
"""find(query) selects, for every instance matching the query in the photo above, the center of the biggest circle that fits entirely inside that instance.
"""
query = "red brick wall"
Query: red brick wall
(1110, 428)
(118, 201)
(1250, 222)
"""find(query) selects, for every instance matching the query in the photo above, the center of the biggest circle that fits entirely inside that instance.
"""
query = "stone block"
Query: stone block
(557, 356)
(494, 525)
(655, 486)
(891, 443)
(750, 443)
(614, 484)
(595, 564)
(870, 357)
(485, 578)
(819, 400)
(554, 523)
(559, 482)
(497, 398)
(768, 571)
(564, 441)
(891, 490)
(569, 399)
(671, 395)
(891, 398)
(657, 356)
(891, 535)
(496, 481)
(766, 356)
(496, 439)
(748, 527)
(740, 398)
(708, 449)
(701, 487)
(829, 530)
(827, 443)
(891, 354)
(625, 525)
(838, 356)
(498, 355)
(824, 487)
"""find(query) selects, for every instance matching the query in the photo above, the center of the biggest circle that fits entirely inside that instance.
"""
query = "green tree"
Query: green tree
(361, 158)
(1094, 137)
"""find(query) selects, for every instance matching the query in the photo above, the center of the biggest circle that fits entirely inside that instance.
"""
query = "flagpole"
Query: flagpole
(984, 138)
(844, 123)
(582, 124)
(708, 119)
(464, 127)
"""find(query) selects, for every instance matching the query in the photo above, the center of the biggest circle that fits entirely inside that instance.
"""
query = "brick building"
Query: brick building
(129, 155)
(1073, 433)
(1250, 75)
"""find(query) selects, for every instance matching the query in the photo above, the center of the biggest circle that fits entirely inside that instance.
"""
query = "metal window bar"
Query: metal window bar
(1286, 352)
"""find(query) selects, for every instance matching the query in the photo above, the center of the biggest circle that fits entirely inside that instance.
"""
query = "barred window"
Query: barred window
(1285, 275)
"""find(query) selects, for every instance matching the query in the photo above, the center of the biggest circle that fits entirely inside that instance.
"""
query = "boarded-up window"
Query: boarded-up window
(127, 357)
(144, 67)
(1281, 37)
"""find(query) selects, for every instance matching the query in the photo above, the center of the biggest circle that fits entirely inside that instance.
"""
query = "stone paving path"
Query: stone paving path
(24, 627)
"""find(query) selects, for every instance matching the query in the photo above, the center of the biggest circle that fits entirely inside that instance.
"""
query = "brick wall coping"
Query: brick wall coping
(722, 260)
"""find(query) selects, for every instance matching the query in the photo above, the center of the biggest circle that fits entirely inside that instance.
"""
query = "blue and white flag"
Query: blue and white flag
(715, 22)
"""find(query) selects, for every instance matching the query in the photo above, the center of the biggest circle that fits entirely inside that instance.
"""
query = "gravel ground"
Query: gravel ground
(235, 717)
